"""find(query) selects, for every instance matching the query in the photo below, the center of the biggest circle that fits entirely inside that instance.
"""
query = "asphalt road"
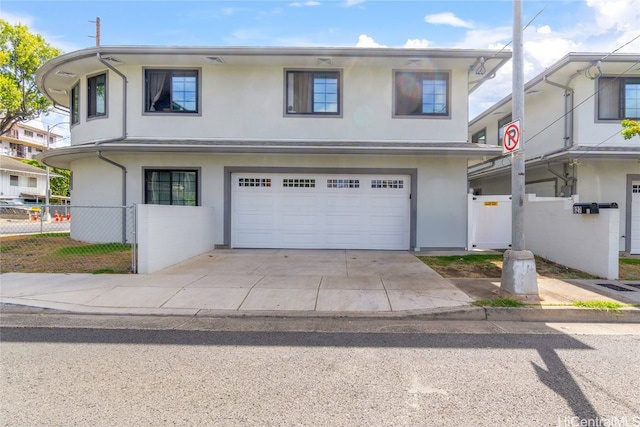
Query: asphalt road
(124, 371)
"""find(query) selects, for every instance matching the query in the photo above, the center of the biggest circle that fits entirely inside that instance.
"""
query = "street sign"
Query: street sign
(511, 137)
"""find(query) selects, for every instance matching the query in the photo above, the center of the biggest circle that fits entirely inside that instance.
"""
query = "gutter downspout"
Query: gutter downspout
(124, 136)
(568, 108)
(124, 94)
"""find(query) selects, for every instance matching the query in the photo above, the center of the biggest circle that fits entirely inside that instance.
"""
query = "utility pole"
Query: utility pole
(97, 36)
(519, 267)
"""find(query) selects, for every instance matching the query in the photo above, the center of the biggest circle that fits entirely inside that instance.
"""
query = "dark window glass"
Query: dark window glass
(174, 91)
(421, 93)
(171, 187)
(97, 95)
(313, 92)
(75, 104)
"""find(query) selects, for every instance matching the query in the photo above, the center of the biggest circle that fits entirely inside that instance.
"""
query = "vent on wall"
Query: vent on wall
(65, 74)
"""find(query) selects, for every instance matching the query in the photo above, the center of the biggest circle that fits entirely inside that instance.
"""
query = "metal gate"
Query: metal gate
(489, 222)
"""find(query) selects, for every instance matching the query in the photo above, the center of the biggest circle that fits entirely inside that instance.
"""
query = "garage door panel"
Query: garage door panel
(300, 239)
(252, 221)
(300, 220)
(320, 211)
(255, 239)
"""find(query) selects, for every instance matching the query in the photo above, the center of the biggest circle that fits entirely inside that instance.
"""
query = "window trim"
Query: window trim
(13, 178)
(505, 120)
(436, 73)
(74, 104)
(620, 102)
(475, 138)
(199, 84)
(197, 170)
(285, 107)
(94, 98)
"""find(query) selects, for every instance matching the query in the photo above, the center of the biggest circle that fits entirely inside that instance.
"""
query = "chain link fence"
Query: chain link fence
(68, 239)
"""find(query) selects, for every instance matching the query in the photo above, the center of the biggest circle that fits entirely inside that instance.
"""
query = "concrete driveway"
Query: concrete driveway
(228, 282)
(313, 280)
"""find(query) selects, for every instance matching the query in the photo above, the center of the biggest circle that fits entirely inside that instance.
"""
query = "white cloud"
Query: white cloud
(17, 19)
(366, 41)
(349, 3)
(417, 43)
(621, 15)
(545, 29)
(447, 18)
(304, 3)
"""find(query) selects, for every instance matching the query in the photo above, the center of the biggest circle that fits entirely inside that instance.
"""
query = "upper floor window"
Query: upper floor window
(28, 133)
(13, 180)
(171, 187)
(421, 93)
(313, 92)
(618, 98)
(75, 105)
(173, 91)
(501, 124)
(479, 137)
(97, 95)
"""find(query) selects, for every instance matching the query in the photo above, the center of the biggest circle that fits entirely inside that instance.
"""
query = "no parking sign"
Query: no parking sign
(511, 137)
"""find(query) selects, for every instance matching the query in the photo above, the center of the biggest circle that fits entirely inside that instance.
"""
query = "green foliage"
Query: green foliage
(631, 128)
(21, 54)
(499, 302)
(600, 305)
(95, 249)
(630, 261)
(60, 185)
(463, 259)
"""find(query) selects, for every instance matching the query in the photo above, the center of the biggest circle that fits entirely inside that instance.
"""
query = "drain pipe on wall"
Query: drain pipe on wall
(568, 108)
(124, 136)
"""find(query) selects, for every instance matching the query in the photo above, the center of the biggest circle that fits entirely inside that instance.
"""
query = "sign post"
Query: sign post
(511, 137)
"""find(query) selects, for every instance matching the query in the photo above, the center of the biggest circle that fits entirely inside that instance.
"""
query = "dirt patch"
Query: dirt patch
(61, 254)
(490, 266)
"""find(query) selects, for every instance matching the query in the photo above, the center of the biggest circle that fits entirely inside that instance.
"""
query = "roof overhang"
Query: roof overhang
(570, 66)
(57, 76)
(573, 154)
(62, 157)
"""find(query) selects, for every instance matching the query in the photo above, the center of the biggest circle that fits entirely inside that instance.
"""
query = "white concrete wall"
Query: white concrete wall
(168, 235)
(442, 185)
(247, 102)
(586, 242)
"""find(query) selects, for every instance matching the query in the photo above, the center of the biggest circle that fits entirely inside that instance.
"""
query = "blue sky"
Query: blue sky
(558, 26)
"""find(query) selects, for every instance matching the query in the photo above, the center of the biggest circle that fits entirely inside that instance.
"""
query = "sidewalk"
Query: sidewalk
(279, 283)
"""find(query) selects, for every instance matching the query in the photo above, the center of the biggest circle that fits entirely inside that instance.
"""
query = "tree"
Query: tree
(58, 185)
(631, 128)
(21, 54)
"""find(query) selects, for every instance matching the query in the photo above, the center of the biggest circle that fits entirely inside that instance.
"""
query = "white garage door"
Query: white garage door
(635, 217)
(320, 211)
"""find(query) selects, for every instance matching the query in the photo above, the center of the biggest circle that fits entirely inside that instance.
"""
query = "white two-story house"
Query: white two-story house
(571, 130)
(292, 147)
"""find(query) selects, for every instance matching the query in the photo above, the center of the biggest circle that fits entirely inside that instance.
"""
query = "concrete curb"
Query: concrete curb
(559, 314)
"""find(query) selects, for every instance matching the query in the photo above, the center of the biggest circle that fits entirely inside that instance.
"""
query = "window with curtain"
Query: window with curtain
(618, 98)
(421, 93)
(171, 187)
(173, 91)
(313, 92)
(97, 95)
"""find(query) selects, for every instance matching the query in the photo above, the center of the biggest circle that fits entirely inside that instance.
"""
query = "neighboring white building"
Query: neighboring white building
(572, 137)
(25, 142)
(294, 147)
(21, 181)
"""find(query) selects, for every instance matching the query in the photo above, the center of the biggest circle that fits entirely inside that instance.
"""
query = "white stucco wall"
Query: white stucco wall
(605, 181)
(168, 235)
(441, 199)
(586, 242)
(247, 102)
